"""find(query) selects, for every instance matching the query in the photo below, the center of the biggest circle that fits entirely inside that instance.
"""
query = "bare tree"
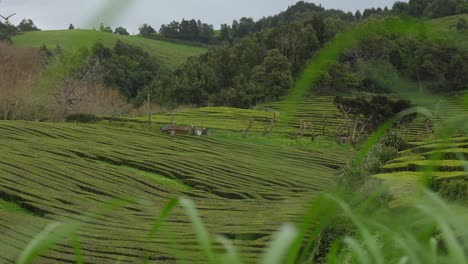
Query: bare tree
(355, 130)
(18, 66)
(269, 125)
(79, 86)
(324, 125)
(7, 19)
(246, 131)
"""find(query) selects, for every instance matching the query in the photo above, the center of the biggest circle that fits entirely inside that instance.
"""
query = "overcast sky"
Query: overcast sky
(58, 14)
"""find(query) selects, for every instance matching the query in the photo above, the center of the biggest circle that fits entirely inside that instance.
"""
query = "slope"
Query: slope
(59, 172)
(170, 53)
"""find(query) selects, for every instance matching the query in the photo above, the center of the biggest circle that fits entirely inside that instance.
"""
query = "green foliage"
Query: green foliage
(105, 29)
(273, 76)
(394, 140)
(462, 25)
(356, 174)
(129, 67)
(437, 64)
(189, 30)
(146, 30)
(451, 189)
(82, 118)
(27, 25)
(121, 31)
(170, 54)
(462, 7)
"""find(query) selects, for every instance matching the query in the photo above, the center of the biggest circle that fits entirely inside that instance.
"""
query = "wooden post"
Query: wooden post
(172, 117)
(251, 121)
(273, 124)
(5, 111)
(324, 125)
(149, 110)
(312, 131)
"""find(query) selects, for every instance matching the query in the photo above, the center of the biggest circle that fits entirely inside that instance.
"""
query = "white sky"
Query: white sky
(58, 14)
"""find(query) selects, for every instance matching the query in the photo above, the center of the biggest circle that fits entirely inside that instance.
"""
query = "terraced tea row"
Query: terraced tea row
(60, 172)
(319, 110)
(438, 161)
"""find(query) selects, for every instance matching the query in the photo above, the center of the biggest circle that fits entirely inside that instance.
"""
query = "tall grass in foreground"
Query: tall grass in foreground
(429, 232)
(337, 228)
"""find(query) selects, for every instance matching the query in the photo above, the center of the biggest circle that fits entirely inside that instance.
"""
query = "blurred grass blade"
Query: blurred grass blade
(369, 240)
(43, 241)
(159, 221)
(280, 245)
(232, 256)
(358, 250)
(77, 249)
(203, 237)
(163, 215)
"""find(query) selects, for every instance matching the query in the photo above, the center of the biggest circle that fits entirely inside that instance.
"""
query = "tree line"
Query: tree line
(258, 61)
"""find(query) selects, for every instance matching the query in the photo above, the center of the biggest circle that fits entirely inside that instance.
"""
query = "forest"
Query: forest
(253, 62)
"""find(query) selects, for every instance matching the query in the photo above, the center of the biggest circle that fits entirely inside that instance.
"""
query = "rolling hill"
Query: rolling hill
(170, 53)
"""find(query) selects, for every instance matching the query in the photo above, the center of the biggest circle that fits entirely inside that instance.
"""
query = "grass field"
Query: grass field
(59, 172)
(171, 54)
(446, 26)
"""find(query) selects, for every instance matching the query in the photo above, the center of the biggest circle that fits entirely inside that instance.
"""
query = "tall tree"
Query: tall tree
(358, 15)
(273, 76)
(104, 28)
(27, 25)
(121, 31)
(225, 34)
(146, 30)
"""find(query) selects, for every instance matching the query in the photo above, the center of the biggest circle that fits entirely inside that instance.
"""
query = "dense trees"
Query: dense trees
(104, 28)
(430, 8)
(273, 77)
(146, 30)
(190, 30)
(437, 65)
(27, 25)
(128, 68)
(121, 31)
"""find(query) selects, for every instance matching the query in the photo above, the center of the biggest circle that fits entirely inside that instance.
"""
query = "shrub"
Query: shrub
(451, 189)
(461, 25)
(82, 118)
(394, 140)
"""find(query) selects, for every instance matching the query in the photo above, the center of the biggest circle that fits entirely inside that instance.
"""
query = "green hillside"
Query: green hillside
(56, 172)
(170, 53)
(445, 28)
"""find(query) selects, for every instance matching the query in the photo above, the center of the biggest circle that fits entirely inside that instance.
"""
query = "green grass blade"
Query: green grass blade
(232, 256)
(44, 240)
(77, 249)
(159, 221)
(280, 245)
(358, 250)
(203, 237)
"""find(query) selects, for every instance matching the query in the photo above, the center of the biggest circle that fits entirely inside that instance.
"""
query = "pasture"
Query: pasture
(169, 53)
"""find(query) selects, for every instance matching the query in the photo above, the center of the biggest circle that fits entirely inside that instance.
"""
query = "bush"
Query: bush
(394, 140)
(461, 25)
(82, 118)
(451, 189)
